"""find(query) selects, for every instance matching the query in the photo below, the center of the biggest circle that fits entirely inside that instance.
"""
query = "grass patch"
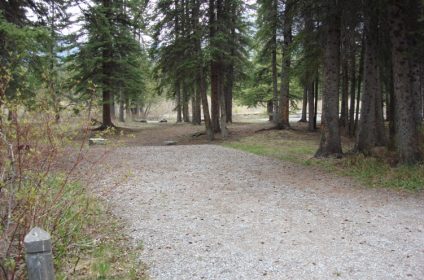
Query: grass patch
(99, 248)
(299, 147)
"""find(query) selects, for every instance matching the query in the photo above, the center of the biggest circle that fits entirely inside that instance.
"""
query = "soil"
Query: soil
(209, 212)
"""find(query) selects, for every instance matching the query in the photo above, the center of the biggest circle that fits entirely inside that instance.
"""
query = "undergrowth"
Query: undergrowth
(39, 187)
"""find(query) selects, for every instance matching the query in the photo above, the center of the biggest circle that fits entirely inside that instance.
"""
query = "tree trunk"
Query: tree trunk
(269, 109)
(330, 143)
(304, 103)
(228, 91)
(345, 95)
(223, 109)
(107, 53)
(128, 113)
(406, 126)
(121, 107)
(178, 102)
(204, 97)
(186, 114)
(214, 72)
(360, 76)
(195, 105)
(367, 134)
(283, 121)
(276, 106)
(311, 106)
(352, 94)
(316, 83)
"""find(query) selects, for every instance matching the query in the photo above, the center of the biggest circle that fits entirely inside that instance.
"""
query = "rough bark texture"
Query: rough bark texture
(370, 122)
(330, 143)
(406, 126)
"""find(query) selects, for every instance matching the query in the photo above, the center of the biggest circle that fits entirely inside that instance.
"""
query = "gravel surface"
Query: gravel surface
(208, 212)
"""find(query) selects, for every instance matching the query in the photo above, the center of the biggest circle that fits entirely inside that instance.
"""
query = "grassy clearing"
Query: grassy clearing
(299, 147)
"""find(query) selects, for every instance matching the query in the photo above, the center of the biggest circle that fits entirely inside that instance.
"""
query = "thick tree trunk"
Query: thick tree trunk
(283, 121)
(304, 103)
(330, 143)
(311, 107)
(367, 133)
(195, 106)
(406, 126)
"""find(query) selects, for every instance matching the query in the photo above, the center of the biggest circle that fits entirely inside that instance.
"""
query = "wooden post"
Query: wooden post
(39, 257)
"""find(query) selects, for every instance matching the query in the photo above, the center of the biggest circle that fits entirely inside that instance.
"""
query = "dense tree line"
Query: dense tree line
(363, 60)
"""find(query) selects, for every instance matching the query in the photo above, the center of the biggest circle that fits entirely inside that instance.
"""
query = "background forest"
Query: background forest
(355, 67)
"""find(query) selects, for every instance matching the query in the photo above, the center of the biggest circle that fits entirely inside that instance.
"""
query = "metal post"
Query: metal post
(39, 257)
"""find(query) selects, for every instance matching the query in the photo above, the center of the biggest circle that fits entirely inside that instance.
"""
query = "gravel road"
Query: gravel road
(208, 212)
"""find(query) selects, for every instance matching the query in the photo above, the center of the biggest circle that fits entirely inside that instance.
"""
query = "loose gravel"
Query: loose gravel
(208, 212)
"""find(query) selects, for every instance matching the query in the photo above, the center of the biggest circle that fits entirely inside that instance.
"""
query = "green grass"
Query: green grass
(299, 147)
(91, 243)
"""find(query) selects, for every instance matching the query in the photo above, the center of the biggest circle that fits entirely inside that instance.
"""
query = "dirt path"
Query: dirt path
(208, 212)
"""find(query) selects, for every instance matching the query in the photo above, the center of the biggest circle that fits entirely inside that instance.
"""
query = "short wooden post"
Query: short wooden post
(39, 257)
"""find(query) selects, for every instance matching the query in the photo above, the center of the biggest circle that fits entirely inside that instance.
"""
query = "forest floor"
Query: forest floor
(213, 212)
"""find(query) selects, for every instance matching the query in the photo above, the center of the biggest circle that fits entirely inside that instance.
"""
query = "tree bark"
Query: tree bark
(311, 107)
(345, 94)
(283, 121)
(228, 91)
(367, 137)
(178, 102)
(304, 103)
(330, 143)
(406, 126)
(186, 114)
(107, 53)
(352, 93)
(121, 107)
(360, 77)
(269, 109)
